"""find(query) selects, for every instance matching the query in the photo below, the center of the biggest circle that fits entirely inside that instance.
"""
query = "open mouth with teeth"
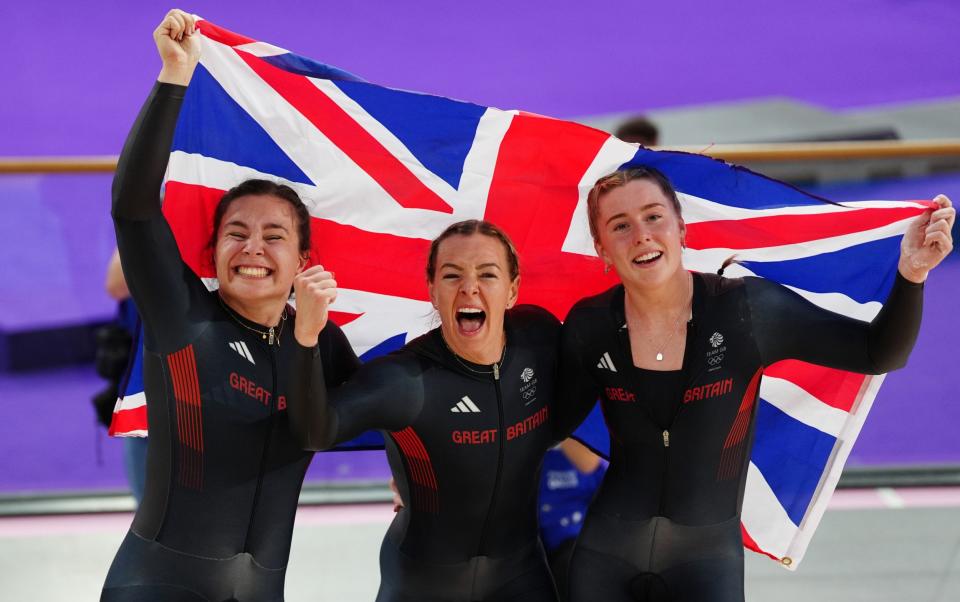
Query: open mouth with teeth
(470, 319)
(647, 258)
(247, 271)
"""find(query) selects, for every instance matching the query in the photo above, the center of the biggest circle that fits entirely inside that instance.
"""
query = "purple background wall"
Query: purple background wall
(76, 72)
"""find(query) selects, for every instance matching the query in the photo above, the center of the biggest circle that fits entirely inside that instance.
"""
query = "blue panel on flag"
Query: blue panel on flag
(438, 131)
(134, 376)
(301, 65)
(212, 124)
(388, 346)
(857, 272)
(791, 458)
(363, 441)
(593, 432)
(719, 182)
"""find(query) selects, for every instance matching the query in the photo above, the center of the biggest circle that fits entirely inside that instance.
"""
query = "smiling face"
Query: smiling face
(640, 234)
(257, 253)
(471, 289)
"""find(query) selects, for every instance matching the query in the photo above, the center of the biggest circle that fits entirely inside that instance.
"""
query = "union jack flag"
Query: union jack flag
(384, 171)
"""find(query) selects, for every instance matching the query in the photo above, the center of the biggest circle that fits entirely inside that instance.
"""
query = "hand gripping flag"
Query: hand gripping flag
(384, 171)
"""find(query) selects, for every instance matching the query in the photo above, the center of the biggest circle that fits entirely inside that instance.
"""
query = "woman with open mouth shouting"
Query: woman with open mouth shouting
(466, 414)
(223, 469)
(676, 359)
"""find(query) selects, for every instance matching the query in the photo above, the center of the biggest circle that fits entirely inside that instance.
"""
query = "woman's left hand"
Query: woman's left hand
(315, 289)
(927, 241)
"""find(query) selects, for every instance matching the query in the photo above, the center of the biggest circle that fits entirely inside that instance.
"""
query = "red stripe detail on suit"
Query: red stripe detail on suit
(186, 393)
(732, 455)
(424, 489)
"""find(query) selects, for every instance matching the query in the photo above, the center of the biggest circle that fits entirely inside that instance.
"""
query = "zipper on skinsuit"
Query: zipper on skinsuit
(666, 467)
(666, 434)
(500, 451)
(266, 446)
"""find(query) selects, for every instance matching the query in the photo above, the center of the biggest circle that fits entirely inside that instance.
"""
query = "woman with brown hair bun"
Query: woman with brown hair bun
(466, 411)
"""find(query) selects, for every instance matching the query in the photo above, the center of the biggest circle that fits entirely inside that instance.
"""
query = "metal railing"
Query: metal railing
(734, 153)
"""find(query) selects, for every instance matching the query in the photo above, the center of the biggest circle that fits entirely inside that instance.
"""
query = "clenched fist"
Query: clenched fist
(315, 289)
(179, 47)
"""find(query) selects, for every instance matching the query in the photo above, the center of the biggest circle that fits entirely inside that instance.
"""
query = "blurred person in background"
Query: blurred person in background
(639, 130)
(114, 354)
(569, 481)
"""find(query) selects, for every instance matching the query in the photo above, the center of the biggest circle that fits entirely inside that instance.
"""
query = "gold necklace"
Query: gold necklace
(496, 365)
(269, 335)
(673, 332)
(688, 311)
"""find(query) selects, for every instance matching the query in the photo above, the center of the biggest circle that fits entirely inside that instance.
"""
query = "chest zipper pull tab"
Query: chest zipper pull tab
(666, 438)
(496, 372)
(270, 333)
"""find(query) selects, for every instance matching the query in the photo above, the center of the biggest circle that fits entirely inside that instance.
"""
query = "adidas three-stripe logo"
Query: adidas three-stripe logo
(606, 363)
(465, 405)
(241, 348)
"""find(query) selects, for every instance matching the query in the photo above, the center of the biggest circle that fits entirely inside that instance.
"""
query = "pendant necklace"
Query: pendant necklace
(270, 335)
(688, 311)
(495, 366)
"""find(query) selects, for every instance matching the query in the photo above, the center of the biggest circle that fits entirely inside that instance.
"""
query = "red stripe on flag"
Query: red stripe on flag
(126, 421)
(371, 156)
(342, 318)
(836, 388)
(367, 261)
(189, 211)
(392, 265)
(533, 195)
(777, 230)
(749, 543)
(219, 34)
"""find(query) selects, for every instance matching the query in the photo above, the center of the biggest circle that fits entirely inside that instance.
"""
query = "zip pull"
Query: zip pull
(270, 333)
(496, 372)
(666, 438)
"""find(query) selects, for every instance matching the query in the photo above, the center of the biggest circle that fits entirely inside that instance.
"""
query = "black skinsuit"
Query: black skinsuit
(665, 524)
(465, 443)
(223, 469)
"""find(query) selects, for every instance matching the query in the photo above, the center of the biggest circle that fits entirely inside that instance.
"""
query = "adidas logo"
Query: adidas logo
(465, 405)
(606, 363)
(241, 348)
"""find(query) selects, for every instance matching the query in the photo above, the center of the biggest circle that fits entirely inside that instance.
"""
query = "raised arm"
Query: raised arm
(157, 278)
(788, 326)
(136, 187)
